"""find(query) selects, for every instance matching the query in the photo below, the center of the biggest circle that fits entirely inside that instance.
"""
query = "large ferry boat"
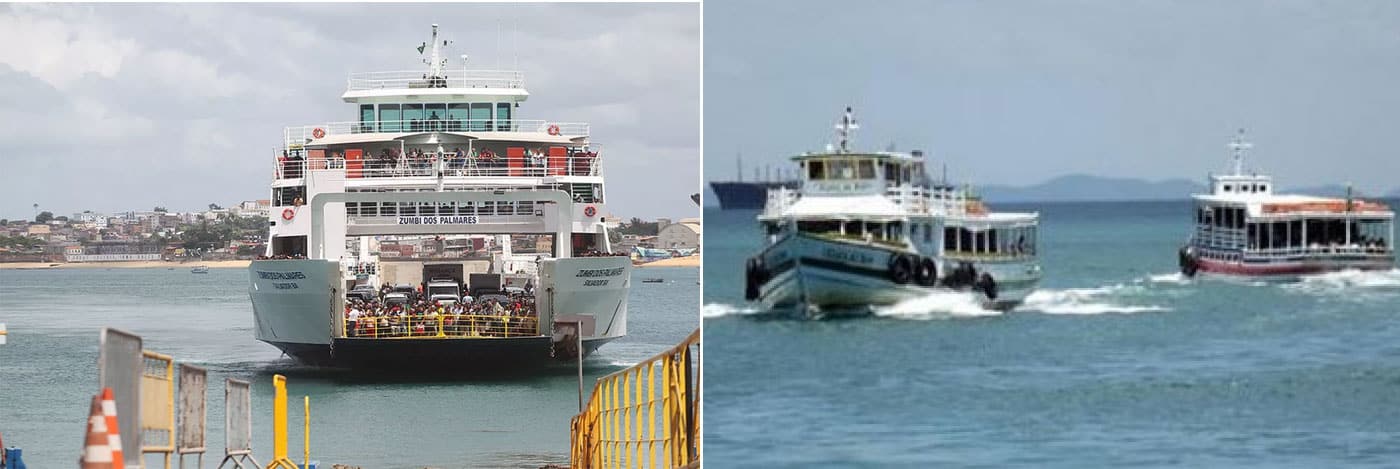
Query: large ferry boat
(1244, 228)
(869, 228)
(395, 238)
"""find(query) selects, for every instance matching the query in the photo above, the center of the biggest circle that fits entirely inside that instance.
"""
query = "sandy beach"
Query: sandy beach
(123, 265)
(689, 261)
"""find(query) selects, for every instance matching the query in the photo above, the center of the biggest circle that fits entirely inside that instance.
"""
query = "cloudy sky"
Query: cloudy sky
(1018, 92)
(125, 107)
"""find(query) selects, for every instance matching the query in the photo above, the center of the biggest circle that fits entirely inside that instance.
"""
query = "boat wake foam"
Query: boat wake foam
(1100, 300)
(1174, 278)
(719, 310)
(936, 305)
(1348, 280)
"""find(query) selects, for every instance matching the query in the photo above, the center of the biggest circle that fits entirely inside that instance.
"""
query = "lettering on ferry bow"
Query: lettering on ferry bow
(848, 256)
(439, 220)
(593, 274)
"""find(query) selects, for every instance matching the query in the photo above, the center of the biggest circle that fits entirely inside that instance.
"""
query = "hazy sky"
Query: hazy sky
(125, 107)
(1018, 92)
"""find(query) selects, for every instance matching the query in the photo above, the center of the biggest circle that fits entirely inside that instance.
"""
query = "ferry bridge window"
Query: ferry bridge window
(841, 169)
(867, 169)
(480, 116)
(413, 113)
(457, 113)
(437, 116)
(389, 117)
(503, 123)
(366, 117)
(816, 170)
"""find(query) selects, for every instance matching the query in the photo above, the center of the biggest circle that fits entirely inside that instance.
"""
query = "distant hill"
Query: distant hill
(1083, 187)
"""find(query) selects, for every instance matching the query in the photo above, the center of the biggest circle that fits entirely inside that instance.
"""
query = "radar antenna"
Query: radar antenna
(435, 61)
(1239, 145)
(844, 128)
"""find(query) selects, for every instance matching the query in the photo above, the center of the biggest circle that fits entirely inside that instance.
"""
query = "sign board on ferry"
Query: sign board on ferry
(439, 220)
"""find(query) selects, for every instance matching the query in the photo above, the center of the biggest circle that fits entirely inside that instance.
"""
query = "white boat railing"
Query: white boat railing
(451, 79)
(579, 163)
(1316, 250)
(310, 134)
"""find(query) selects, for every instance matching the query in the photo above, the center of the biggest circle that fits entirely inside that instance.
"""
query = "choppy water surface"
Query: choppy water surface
(48, 372)
(1115, 361)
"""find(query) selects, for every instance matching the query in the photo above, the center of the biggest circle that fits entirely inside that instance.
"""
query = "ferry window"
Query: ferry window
(457, 113)
(367, 117)
(1229, 188)
(928, 233)
(389, 117)
(481, 116)
(816, 170)
(867, 169)
(438, 114)
(842, 169)
(503, 116)
(1263, 188)
(411, 113)
(819, 226)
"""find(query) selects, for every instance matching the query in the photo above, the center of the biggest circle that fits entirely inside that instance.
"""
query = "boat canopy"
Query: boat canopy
(526, 137)
(860, 207)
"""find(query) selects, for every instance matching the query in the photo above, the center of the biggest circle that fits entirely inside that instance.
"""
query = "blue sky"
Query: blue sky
(1017, 92)
(125, 107)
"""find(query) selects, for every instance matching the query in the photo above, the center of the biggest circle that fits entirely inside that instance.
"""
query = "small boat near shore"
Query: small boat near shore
(200, 269)
(1244, 229)
(867, 229)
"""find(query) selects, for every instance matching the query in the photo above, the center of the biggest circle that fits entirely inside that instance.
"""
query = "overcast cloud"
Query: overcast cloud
(1019, 92)
(125, 107)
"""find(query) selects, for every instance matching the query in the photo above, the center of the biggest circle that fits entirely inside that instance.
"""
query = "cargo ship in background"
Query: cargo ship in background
(741, 195)
(395, 237)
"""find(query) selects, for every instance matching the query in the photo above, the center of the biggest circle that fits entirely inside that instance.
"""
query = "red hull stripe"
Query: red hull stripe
(1292, 268)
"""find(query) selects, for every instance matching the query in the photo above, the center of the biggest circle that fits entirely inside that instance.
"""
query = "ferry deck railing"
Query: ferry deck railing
(309, 134)
(779, 200)
(579, 163)
(647, 415)
(441, 326)
(1318, 250)
(361, 81)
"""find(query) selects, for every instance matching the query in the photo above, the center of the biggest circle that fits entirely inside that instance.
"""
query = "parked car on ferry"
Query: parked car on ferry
(362, 293)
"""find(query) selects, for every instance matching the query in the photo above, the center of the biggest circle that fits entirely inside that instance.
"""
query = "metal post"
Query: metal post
(306, 436)
(578, 333)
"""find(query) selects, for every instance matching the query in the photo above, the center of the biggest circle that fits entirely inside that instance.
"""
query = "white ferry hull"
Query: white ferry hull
(815, 277)
(1192, 264)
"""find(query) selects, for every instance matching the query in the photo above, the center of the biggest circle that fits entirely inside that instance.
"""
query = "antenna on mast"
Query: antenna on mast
(1239, 145)
(844, 128)
(739, 159)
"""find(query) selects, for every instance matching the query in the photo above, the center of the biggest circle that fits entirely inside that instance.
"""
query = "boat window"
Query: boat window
(1229, 188)
(389, 117)
(928, 233)
(457, 113)
(503, 117)
(480, 116)
(841, 169)
(819, 226)
(367, 117)
(816, 170)
(867, 169)
(413, 113)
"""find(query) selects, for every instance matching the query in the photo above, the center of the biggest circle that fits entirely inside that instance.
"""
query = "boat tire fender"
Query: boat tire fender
(901, 268)
(927, 273)
(752, 272)
(1187, 262)
(987, 285)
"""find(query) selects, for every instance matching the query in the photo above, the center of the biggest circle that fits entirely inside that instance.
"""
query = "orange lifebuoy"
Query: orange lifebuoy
(554, 130)
(318, 133)
(590, 211)
(287, 214)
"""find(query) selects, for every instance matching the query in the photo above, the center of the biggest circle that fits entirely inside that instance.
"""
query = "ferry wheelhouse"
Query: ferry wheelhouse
(429, 197)
(870, 228)
(1244, 228)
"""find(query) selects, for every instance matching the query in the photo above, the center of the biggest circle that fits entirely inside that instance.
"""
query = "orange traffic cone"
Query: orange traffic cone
(109, 411)
(97, 452)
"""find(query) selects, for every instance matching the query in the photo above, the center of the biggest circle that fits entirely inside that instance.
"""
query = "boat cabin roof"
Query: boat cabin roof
(881, 155)
(524, 137)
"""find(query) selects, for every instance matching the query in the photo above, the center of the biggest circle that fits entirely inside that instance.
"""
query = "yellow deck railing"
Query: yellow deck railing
(634, 421)
(455, 326)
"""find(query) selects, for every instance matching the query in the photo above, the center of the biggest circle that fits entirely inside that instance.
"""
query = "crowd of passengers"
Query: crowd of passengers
(492, 317)
(417, 161)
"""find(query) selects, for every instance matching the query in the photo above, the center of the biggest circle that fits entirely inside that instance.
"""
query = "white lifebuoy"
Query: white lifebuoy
(287, 214)
(554, 130)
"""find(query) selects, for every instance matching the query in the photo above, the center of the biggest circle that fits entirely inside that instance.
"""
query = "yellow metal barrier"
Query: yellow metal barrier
(442, 326)
(618, 426)
(279, 425)
(158, 404)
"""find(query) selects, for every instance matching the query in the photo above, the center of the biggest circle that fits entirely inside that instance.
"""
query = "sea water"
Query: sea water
(1115, 361)
(48, 373)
